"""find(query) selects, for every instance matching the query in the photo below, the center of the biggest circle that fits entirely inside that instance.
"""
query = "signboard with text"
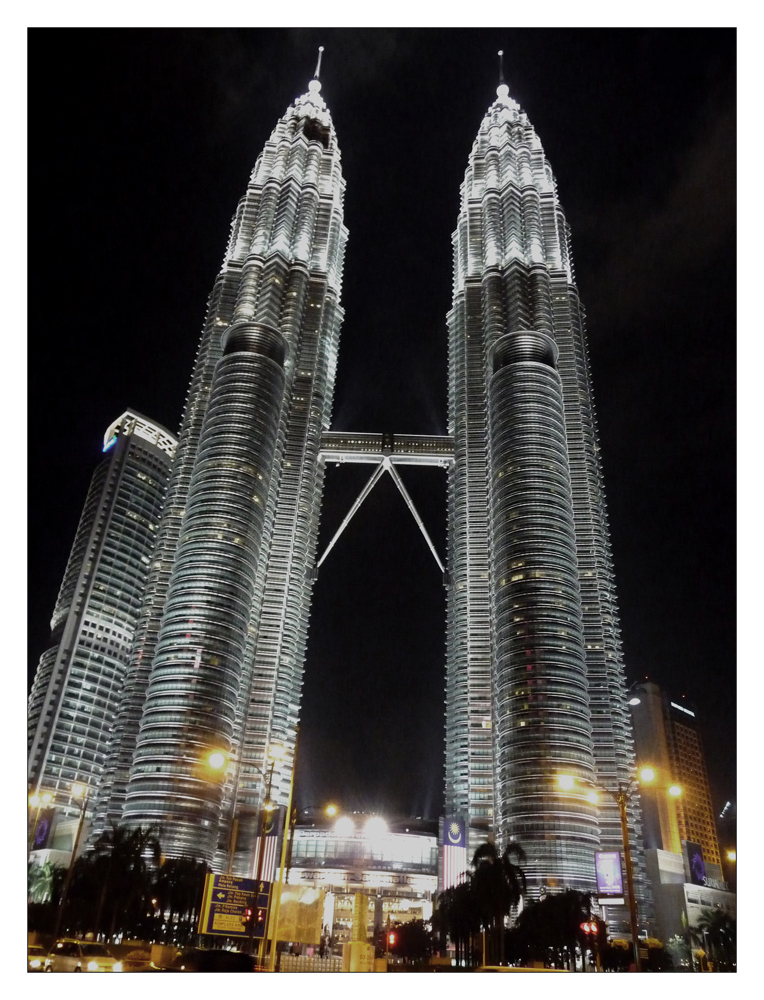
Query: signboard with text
(609, 874)
(225, 903)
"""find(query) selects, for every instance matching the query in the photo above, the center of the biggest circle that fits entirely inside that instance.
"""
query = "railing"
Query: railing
(310, 963)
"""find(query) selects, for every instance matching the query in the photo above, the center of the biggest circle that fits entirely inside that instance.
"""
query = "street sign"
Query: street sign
(225, 903)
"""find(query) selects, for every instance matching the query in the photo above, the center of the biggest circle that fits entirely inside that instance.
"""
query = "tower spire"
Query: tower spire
(318, 64)
(502, 91)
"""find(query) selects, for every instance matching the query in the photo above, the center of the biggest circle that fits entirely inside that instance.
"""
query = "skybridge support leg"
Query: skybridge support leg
(410, 504)
(376, 475)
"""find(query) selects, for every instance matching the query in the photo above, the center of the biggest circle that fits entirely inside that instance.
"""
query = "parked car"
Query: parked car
(213, 960)
(36, 958)
(70, 955)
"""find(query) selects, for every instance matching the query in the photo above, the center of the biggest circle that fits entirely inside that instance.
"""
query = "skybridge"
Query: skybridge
(385, 452)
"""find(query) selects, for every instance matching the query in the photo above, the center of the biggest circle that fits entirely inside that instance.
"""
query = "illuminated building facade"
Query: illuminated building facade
(218, 657)
(72, 702)
(534, 675)
(535, 678)
(392, 865)
(667, 737)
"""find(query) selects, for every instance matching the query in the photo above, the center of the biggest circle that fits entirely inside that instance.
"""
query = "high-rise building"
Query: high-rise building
(71, 706)
(218, 658)
(535, 677)
(667, 737)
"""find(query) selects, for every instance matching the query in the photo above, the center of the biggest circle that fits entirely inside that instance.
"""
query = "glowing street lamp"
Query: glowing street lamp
(79, 791)
(621, 796)
(331, 810)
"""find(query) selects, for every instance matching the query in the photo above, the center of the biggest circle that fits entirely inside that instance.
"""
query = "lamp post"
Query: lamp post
(218, 760)
(78, 792)
(275, 942)
(621, 796)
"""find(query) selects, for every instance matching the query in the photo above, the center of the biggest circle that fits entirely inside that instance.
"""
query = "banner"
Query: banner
(454, 843)
(274, 828)
(43, 829)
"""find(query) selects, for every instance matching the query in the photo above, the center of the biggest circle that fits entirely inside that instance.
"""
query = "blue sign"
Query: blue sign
(226, 902)
(609, 874)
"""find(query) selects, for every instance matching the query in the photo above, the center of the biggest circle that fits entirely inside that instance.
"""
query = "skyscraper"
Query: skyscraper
(217, 662)
(535, 678)
(667, 737)
(71, 706)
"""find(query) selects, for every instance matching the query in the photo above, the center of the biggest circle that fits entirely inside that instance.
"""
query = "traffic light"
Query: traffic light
(589, 927)
(392, 937)
(247, 918)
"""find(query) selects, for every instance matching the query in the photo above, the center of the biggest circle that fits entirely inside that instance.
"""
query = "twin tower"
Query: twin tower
(534, 674)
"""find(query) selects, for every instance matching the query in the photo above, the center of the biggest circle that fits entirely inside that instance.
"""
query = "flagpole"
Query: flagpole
(274, 942)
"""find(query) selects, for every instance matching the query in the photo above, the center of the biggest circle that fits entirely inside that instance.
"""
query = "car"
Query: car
(70, 955)
(212, 960)
(36, 958)
(516, 968)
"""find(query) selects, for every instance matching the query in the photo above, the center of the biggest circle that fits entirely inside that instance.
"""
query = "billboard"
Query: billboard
(609, 873)
(694, 864)
(43, 829)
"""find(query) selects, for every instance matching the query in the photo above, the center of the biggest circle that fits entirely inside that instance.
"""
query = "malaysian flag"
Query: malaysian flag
(454, 844)
(274, 826)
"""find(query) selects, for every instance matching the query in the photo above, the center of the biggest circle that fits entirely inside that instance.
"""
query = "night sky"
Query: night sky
(141, 143)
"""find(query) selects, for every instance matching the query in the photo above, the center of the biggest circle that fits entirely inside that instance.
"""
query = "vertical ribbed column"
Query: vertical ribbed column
(542, 726)
(192, 695)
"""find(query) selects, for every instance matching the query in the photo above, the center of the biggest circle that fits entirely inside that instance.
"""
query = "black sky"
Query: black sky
(140, 145)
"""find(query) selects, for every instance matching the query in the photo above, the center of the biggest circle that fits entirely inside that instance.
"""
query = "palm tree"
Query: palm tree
(497, 883)
(178, 889)
(459, 918)
(124, 860)
(45, 881)
(719, 929)
(554, 922)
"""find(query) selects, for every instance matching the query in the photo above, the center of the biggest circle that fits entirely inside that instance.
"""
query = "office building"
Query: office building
(667, 737)
(535, 677)
(78, 680)
(534, 674)
(218, 657)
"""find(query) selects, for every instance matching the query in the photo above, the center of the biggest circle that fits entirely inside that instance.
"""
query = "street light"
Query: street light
(218, 761)
(79, 791)
(622, 796)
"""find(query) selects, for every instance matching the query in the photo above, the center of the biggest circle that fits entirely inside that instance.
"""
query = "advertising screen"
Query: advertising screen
(609, 875)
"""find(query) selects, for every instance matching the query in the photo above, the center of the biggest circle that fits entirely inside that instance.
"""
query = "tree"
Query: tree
(718, 930)
(45, 882)
(497, 884)
(458, 915)
(554, 923)
(413, 941)
(123, 864)
(178, 890)
(483, 900)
